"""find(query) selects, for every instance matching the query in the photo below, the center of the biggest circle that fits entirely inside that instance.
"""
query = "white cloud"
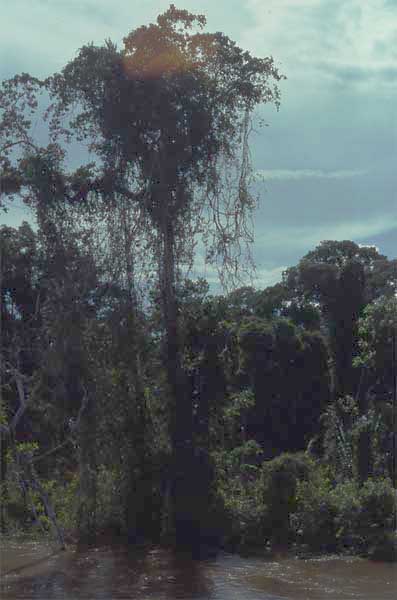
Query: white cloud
(302, 238)
(296, 174)
(265, 277)
(260, 278)
(319, 40)
(40, 36)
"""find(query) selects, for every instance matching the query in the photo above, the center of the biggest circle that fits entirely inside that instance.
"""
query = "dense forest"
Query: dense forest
(136, 404)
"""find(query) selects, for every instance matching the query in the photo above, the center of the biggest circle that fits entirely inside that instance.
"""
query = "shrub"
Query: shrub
(345, 515)
(109, 506)
(364, 514)
(346, 502)
(280, 477)
(314, 516)
(378, 505)
(64, 499)
(239, 492)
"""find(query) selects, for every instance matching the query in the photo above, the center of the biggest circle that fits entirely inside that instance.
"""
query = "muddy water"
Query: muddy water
(37, 571)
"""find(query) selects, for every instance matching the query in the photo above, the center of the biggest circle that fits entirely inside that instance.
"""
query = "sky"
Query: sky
(327, 158)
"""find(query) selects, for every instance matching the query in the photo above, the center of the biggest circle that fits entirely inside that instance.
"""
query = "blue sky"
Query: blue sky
(327, 158)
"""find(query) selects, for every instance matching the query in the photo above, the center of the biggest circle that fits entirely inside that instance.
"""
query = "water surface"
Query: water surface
(37, 571)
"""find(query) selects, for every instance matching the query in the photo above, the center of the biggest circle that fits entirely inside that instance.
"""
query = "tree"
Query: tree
(377, 358)
(287, 370)
(19, 268)
(341, 278)
(168, 119)
(377, 329)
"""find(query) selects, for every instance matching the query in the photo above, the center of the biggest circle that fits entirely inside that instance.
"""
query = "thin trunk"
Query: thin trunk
(3, 483)
(36, 485)
(87, 472)
(3, 441)
(139, 489)
(29, 480)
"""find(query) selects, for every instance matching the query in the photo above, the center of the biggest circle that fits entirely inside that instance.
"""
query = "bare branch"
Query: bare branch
(23, 401)
(19, 380)
(17, 143)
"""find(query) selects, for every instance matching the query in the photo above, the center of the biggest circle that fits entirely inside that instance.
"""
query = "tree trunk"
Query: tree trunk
(87, 471)
(139, 484)
(183, 520)
(3, 483)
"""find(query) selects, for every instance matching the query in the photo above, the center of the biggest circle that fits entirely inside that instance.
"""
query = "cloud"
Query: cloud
(303, 238)
(261, 277)
(264, 277)
(314, 39)
(296, 174)
(329, 154)
(360, 74)
(40, 36)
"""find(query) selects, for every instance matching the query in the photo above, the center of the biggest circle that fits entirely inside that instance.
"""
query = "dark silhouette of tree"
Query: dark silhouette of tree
(168, 118)
(341, 279)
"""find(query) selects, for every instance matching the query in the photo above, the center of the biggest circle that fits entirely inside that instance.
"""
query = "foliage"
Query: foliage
(354, 444)
(139, 399)
(238, 486)
(341, 278)
(314, 514)
(363, 513)
(167, 116)
(377, 356)
(332, 515)
(279, 479)
(288, 373)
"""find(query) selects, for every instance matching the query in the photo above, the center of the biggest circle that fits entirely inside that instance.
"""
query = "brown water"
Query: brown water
(36, 571)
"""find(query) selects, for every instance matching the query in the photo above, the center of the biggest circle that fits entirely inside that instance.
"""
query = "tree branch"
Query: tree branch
(17, 143)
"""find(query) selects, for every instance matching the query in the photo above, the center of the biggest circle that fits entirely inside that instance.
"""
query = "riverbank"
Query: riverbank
(381, 552)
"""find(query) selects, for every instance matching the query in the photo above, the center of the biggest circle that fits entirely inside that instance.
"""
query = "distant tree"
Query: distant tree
(280, 300)
(341, 278)
(287, 370)
(378, 360)
(377, 331)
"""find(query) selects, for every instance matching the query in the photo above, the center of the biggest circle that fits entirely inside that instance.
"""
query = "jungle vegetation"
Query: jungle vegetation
(135, 403)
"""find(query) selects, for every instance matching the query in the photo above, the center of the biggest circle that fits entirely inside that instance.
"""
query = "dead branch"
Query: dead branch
(23, 401)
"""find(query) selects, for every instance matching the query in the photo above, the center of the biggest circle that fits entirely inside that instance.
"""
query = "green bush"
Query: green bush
(238, 487)
(280, 478)
(294, 498)
(346, 502)
(63, 497)
(16, 507)
(364, 515)
(346, 515)
(314, 516)
(110, 514)
(378, 504)
(377, 517)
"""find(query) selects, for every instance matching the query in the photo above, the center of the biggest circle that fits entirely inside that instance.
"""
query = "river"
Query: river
(32, 570)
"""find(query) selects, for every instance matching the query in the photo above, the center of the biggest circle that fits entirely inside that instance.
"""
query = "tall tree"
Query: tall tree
(170, 115)
(167, 119)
